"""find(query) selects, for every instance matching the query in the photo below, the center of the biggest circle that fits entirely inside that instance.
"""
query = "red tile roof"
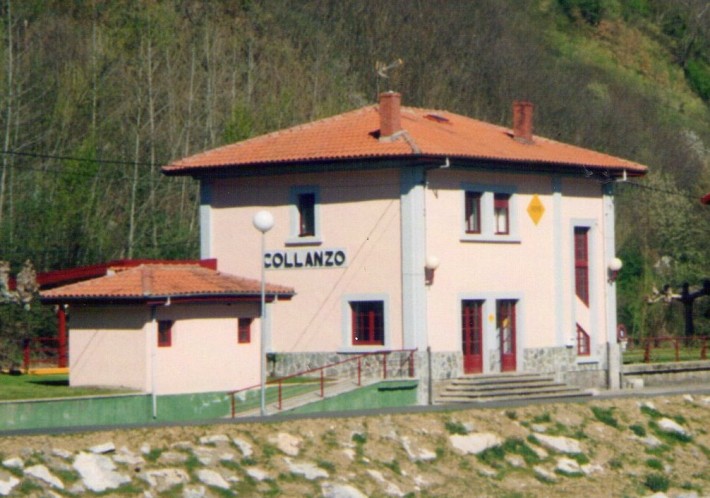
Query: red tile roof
(154, 281)
(427, 134)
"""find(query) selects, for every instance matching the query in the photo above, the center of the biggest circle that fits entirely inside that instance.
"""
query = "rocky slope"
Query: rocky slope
(622, 447)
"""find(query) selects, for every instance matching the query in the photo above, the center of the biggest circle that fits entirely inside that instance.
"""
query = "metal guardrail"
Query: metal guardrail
(320, 371)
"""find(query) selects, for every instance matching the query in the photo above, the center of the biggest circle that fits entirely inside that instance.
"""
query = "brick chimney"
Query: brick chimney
(390, 122)
(523, 121)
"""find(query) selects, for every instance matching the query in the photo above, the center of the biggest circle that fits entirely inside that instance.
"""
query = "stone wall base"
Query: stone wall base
(568, 367)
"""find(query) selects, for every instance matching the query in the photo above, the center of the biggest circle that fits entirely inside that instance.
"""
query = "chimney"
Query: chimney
(390, 122)
(523, 121)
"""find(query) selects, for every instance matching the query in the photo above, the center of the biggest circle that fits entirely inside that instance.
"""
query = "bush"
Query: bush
(698, 75)
(657, 482)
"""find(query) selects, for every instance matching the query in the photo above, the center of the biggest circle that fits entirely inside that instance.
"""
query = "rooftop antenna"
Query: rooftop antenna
(383, 68)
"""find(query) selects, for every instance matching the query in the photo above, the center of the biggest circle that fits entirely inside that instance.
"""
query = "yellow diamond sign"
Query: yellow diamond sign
(536, 209)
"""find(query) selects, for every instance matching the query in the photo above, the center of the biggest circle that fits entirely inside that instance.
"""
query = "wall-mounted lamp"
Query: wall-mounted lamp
(430, 265)
(614, 266)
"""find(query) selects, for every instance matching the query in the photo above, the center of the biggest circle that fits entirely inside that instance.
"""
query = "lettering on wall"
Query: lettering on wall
(305, 258)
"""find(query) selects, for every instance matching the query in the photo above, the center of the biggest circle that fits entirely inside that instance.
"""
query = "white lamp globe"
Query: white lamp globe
(615, 264)
(263, 221)
(431, 263)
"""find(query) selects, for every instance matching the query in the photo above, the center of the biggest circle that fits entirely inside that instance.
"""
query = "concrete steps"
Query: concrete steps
(504, 387)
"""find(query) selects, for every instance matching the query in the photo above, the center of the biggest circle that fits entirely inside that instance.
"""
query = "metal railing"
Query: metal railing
(382, 370)
(41, 351)
(667, 348)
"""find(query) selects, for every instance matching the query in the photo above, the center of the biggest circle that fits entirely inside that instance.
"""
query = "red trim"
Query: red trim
(165, 333)
(62, 336)
(581, 263)
(473, 207)
(583, 343)
(244, 330)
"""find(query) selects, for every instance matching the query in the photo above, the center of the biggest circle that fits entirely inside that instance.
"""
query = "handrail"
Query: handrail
(321, 369)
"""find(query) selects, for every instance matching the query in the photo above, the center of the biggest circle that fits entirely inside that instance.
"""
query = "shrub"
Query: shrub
(455, 428)
(605, 416)
(654, 463)
(637, 429)
(657, 482)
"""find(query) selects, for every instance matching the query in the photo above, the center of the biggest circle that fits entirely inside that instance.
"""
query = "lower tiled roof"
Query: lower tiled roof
(152, 281)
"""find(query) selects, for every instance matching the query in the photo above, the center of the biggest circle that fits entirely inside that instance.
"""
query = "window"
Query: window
(501, 213)
(244, 331)
(583, 348)
(473, 212)
(165, 333)
(581, 263)
(489, 214)
(307, 214)
(368, 323)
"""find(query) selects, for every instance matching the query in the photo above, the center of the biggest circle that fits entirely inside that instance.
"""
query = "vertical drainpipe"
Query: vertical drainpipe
(613, 352)
(62, 335)
(205, 219)
(153, 340)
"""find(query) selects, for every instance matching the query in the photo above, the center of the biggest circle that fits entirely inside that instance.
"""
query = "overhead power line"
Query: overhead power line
(39, 155)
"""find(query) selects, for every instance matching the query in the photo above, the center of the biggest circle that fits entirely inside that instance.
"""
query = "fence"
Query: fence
(666, 348)
(40, 352)
(376, 365)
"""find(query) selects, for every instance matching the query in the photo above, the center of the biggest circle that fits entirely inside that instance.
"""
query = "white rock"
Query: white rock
(257, 474)
(668, 425)
(568, 466)
(540, 452)
(194, 492)
(214, 439)
(77, 489)
(212, 478)
(331, 490)
(592, 468)
(486, 471)
(164, 479)
(43, 474)
(13, 463)
(182, 445)
(205, 456)
(538, 428)
(145, 448)
(660, 494)
(688, 397)
(417, 455)
(226, 457)
(65, 454)
(98, 472)
(560, 443)
(307, 469)
(515, 461)
(103, 448)
(127, 457)
(475, 443)
(6, 487)
(647, 404)
(544, 474)
(291, 445)
(350, 453)
(243, 446)
(172, 458)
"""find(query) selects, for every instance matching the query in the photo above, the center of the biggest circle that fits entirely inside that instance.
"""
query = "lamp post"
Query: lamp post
(263, 221)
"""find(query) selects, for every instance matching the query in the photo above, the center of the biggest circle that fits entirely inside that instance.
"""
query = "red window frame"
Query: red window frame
(368, 323)
(306, 214)
(165, 333)
(501, 207)
(244, 330)
(583, 342)
(473, 212)
(581, 263)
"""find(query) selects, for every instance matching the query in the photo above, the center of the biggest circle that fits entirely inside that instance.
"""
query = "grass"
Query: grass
(21, 387)
(605, 416)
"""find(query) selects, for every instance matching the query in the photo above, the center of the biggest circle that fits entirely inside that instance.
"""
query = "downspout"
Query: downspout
(153, 338)
(154, 355)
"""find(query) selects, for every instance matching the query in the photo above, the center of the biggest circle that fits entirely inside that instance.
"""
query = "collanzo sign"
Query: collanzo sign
(305, 258)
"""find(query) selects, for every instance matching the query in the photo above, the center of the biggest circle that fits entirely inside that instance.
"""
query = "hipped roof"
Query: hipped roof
(426, 134)
(152, 282)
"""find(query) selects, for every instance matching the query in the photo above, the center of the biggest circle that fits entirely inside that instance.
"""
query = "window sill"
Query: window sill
(500, 239)
(375, 348)
(304, 241)
(585, 360)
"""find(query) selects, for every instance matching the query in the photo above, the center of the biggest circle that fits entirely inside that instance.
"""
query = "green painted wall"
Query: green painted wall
(380, 395)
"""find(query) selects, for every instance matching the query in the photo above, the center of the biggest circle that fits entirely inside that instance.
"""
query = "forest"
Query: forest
(97, 95)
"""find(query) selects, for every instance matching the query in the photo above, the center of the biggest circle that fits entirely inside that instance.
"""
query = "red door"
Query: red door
(506, 332)
(471, 336)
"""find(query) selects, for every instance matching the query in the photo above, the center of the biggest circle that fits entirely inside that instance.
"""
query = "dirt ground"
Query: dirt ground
(350, 449)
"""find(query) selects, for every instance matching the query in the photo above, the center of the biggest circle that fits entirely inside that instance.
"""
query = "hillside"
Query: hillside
(621, 447)
(98, 95)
